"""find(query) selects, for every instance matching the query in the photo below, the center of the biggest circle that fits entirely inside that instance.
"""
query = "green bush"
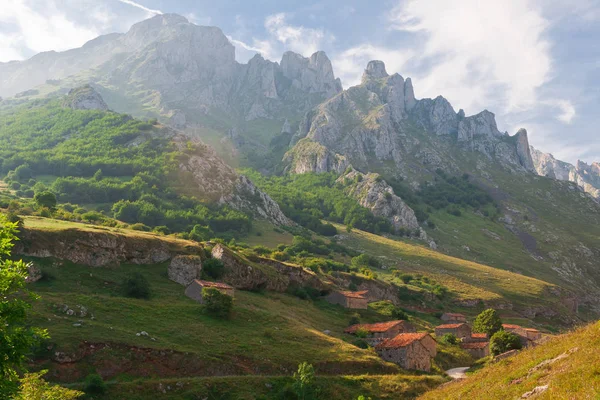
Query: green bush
(216, 304)
(94, 384)
(449, 338)
(361, 344)
(280, 256)
(406, 278)
(136, 285)
(140, 227)
(45, 199)
(354, 319)
(503, 341)
(398, 313)
(212, 268)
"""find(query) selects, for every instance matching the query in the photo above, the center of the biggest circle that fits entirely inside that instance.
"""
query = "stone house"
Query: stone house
(477, 349)
(527, 335)
(378, 332)
(194, 289)
(460, 330)
(409, 350)
(453, 318)
(357, 300)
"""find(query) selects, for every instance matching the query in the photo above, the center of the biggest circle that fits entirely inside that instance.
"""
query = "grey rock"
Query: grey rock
(184, 269)
(375, 70)
(483, 123)
(84, 98)
(436, 116)
(523, 150)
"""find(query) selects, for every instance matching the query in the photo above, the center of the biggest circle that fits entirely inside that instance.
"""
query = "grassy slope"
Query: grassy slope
(577, 376)
(467, 279)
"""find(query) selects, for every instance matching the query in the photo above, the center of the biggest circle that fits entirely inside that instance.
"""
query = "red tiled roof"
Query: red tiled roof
(216, 285)
(475, 345)
(531, 330)
(355, 295)
(450, 326)
(479, 335)
(401, 340)
(510, 326)
(373, 328)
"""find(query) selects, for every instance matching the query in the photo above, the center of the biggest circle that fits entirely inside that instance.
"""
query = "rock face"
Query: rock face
(483, 124)
(212, 179)
(84, 98)
(312, 75)
(523, 150)
(183, 269)
(374, 193)
(99, 249)
(587, 177)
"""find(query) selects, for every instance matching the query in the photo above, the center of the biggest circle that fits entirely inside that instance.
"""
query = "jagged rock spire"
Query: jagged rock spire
(375, 70)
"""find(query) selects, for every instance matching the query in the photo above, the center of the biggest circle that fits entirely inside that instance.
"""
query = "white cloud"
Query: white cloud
(36, 30)
(141, 7)
(350, 64)
(568, 111)
(481, 50)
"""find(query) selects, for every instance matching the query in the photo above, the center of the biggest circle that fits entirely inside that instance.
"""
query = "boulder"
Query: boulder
(184, 269)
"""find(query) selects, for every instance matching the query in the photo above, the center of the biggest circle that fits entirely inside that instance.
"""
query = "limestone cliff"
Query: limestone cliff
(84, 98)
(372, 192)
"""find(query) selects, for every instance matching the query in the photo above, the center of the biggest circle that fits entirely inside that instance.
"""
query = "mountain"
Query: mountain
(186, 75)
(585, 176)
(421, 169)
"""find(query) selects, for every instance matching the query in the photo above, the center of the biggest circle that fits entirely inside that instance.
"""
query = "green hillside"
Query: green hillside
(565, 367)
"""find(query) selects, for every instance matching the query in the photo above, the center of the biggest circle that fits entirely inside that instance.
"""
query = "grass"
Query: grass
(269, 332)
(576, 376)
(264, 233)
(466, 279)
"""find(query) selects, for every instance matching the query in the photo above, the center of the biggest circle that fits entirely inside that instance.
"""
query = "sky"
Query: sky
(534, 63)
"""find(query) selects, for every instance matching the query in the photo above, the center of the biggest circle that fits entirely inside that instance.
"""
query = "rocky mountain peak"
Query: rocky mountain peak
(523, 151)
(314, 74)
(84, 98)
(375, 70)
(483, 123)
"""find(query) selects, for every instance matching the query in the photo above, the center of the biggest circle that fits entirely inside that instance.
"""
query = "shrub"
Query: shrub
(503, 341)
(361, 344)
(15, 186)
(261, 250)
(354, 319)
(449, 338)
(212, 268)
(406, 278)
(14, 218)
(163, 230)
(94, 384)
(487, 322)
(398, 313)
(136, 227)
(136, 285)
(361, 333)
(304, 381)
(280, 256)
(216, 304)
(94, 216)
(45, 199)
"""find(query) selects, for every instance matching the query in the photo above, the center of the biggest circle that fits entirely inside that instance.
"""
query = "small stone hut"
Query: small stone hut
(382, 330)
(460, 330)
(477, 349)
(409, 350)
(357, 300)
(453, 317)
(527, 335)
(194, 289)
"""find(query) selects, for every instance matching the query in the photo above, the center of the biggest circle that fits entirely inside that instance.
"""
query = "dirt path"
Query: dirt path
(457, 373)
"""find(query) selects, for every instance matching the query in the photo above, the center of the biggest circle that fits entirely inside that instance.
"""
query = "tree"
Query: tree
(449, 338)
(303, 380)
(487, 322)
(212, 268)
(216, 304)
(16, 337)
(33, 387)
(45, 199)
(94, 384)
(503, 341)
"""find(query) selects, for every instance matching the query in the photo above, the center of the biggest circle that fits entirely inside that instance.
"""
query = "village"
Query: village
(398, 341)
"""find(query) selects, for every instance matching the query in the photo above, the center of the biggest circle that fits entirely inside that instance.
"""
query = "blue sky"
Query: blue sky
(534, 63)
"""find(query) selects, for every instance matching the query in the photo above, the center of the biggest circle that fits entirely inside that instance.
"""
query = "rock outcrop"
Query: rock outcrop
(101, 248)
(210, 178)
(84, 98)
(483, 124)
(263, 274)
(372, 192)
(183, 269)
